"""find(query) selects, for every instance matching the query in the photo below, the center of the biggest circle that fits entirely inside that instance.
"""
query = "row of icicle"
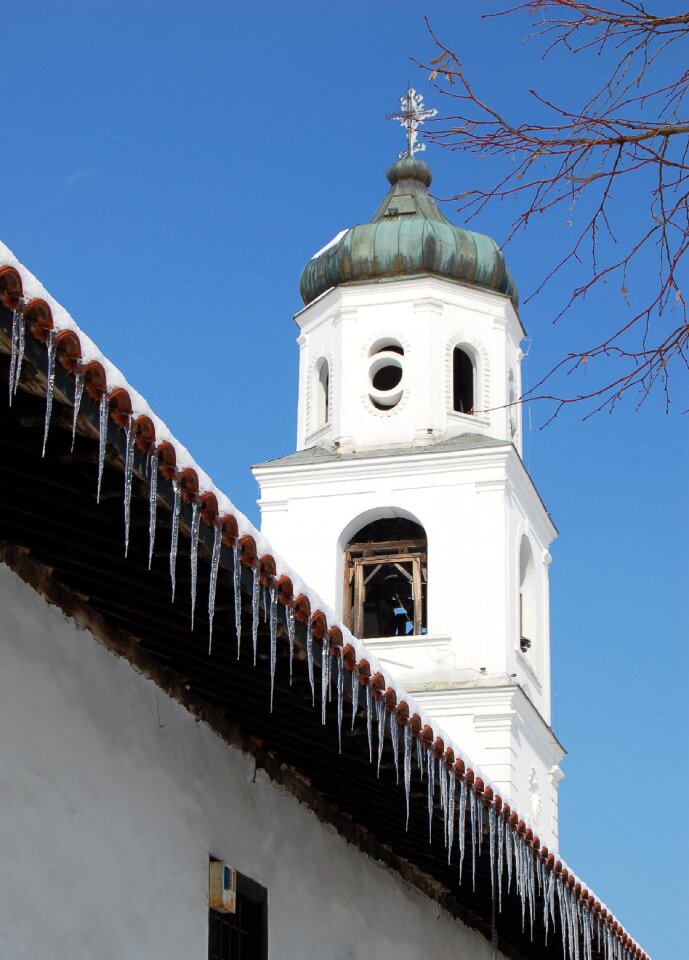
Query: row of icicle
(582, 929)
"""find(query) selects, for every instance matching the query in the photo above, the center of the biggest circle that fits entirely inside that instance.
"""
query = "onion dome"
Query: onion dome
(408, 235)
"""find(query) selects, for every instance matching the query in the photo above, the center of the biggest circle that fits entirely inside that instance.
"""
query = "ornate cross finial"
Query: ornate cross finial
(412, 114)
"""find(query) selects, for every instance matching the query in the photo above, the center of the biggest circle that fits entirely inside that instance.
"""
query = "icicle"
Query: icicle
(291, 632)
(128, 469)
(380, 716)
(430, 789)
(442, 782)
(547, 890)
(152, 501)
(521, 878)
(195, 523)
(255, 600)
(52, 346)
(395, 741)
(563, 919)
(419, 758)
(355, 692)
(369, 720)
(479, 823)
(213, 584)
(501, 842)
(339, 666)
(451, 786)
(309, 658)
(325, 678)
(78, 393)
(491, 844)
(472, 818)
(103, 411)
(15, 365)
(237, 583)
(273, 621)
(177, 505)
(461, 823)
(508, 853)
(407, 766)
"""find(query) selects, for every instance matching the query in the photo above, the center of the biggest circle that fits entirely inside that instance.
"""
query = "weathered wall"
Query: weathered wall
(113, 797)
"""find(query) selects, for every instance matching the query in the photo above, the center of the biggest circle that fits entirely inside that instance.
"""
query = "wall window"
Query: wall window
(462, 381)
(242, 935)
(385, 579)
(386, 370)
(528, 604)
(322, 393)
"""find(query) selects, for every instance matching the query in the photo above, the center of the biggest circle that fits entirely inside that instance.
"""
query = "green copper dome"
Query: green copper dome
(408, 235)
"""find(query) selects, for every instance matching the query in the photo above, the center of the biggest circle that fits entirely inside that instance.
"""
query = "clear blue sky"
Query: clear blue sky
(167, 170)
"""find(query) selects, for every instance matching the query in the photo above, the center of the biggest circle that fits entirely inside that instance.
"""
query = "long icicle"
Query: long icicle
(152, 501)
(291, 634)
(103, 412)
(501, 842)
(273, 621)
(128, 470)
(380, 717)
(237, 584)
(491, 843)
(309, 658)
(17, 358)
(213, 584)
(17, 318)
(195, 524)
(355, 692)
(78, 394)
(395, 741)
(407, 766)
(369, 720)
(339, 666)
(325, 677)
(472, 818)
(52, 346)
(255, 600)
(430, 789)
(461, 823)
(174, 536)
(451, 787)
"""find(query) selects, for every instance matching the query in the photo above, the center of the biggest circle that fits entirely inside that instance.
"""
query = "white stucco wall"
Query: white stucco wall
(426, 316)
(113, 797)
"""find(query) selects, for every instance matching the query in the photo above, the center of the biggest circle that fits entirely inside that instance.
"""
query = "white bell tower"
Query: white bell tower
(407, 505)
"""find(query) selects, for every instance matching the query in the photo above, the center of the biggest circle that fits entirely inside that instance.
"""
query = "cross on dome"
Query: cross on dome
(411, 116)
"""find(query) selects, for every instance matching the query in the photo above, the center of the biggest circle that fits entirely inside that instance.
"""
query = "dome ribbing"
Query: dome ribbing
(408, 235)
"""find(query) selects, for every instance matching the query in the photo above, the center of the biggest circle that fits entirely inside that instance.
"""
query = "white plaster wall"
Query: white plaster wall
(428, 316)
(113, 798)
(474, 506)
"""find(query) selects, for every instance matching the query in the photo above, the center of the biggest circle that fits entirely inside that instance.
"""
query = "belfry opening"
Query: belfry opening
(386, 571)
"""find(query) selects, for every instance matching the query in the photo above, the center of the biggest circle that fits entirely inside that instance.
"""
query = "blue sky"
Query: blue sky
(168, 169)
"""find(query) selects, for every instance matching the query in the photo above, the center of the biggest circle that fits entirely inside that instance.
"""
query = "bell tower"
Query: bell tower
(406, 504)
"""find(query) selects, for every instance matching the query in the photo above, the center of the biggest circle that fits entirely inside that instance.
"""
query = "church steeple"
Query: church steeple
(407, 505)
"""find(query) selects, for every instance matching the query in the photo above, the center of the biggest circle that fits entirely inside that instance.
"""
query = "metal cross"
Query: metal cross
(412, 114)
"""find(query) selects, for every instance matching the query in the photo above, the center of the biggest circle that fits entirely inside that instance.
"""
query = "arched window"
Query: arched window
(322, 393)
(528, 604)
(462, 381)
(385, 579)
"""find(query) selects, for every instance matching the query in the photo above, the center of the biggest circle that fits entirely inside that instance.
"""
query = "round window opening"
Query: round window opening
(386, 378)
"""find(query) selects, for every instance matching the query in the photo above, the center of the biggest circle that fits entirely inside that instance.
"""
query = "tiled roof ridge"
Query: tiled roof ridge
(22, 293)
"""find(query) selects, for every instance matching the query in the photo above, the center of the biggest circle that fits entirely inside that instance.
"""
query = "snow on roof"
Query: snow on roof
(33, 289)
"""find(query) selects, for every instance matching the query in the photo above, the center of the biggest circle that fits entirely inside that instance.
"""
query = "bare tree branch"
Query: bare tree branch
(629, 133)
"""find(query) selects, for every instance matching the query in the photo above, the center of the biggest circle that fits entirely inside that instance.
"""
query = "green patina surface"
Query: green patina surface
(409, 235)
